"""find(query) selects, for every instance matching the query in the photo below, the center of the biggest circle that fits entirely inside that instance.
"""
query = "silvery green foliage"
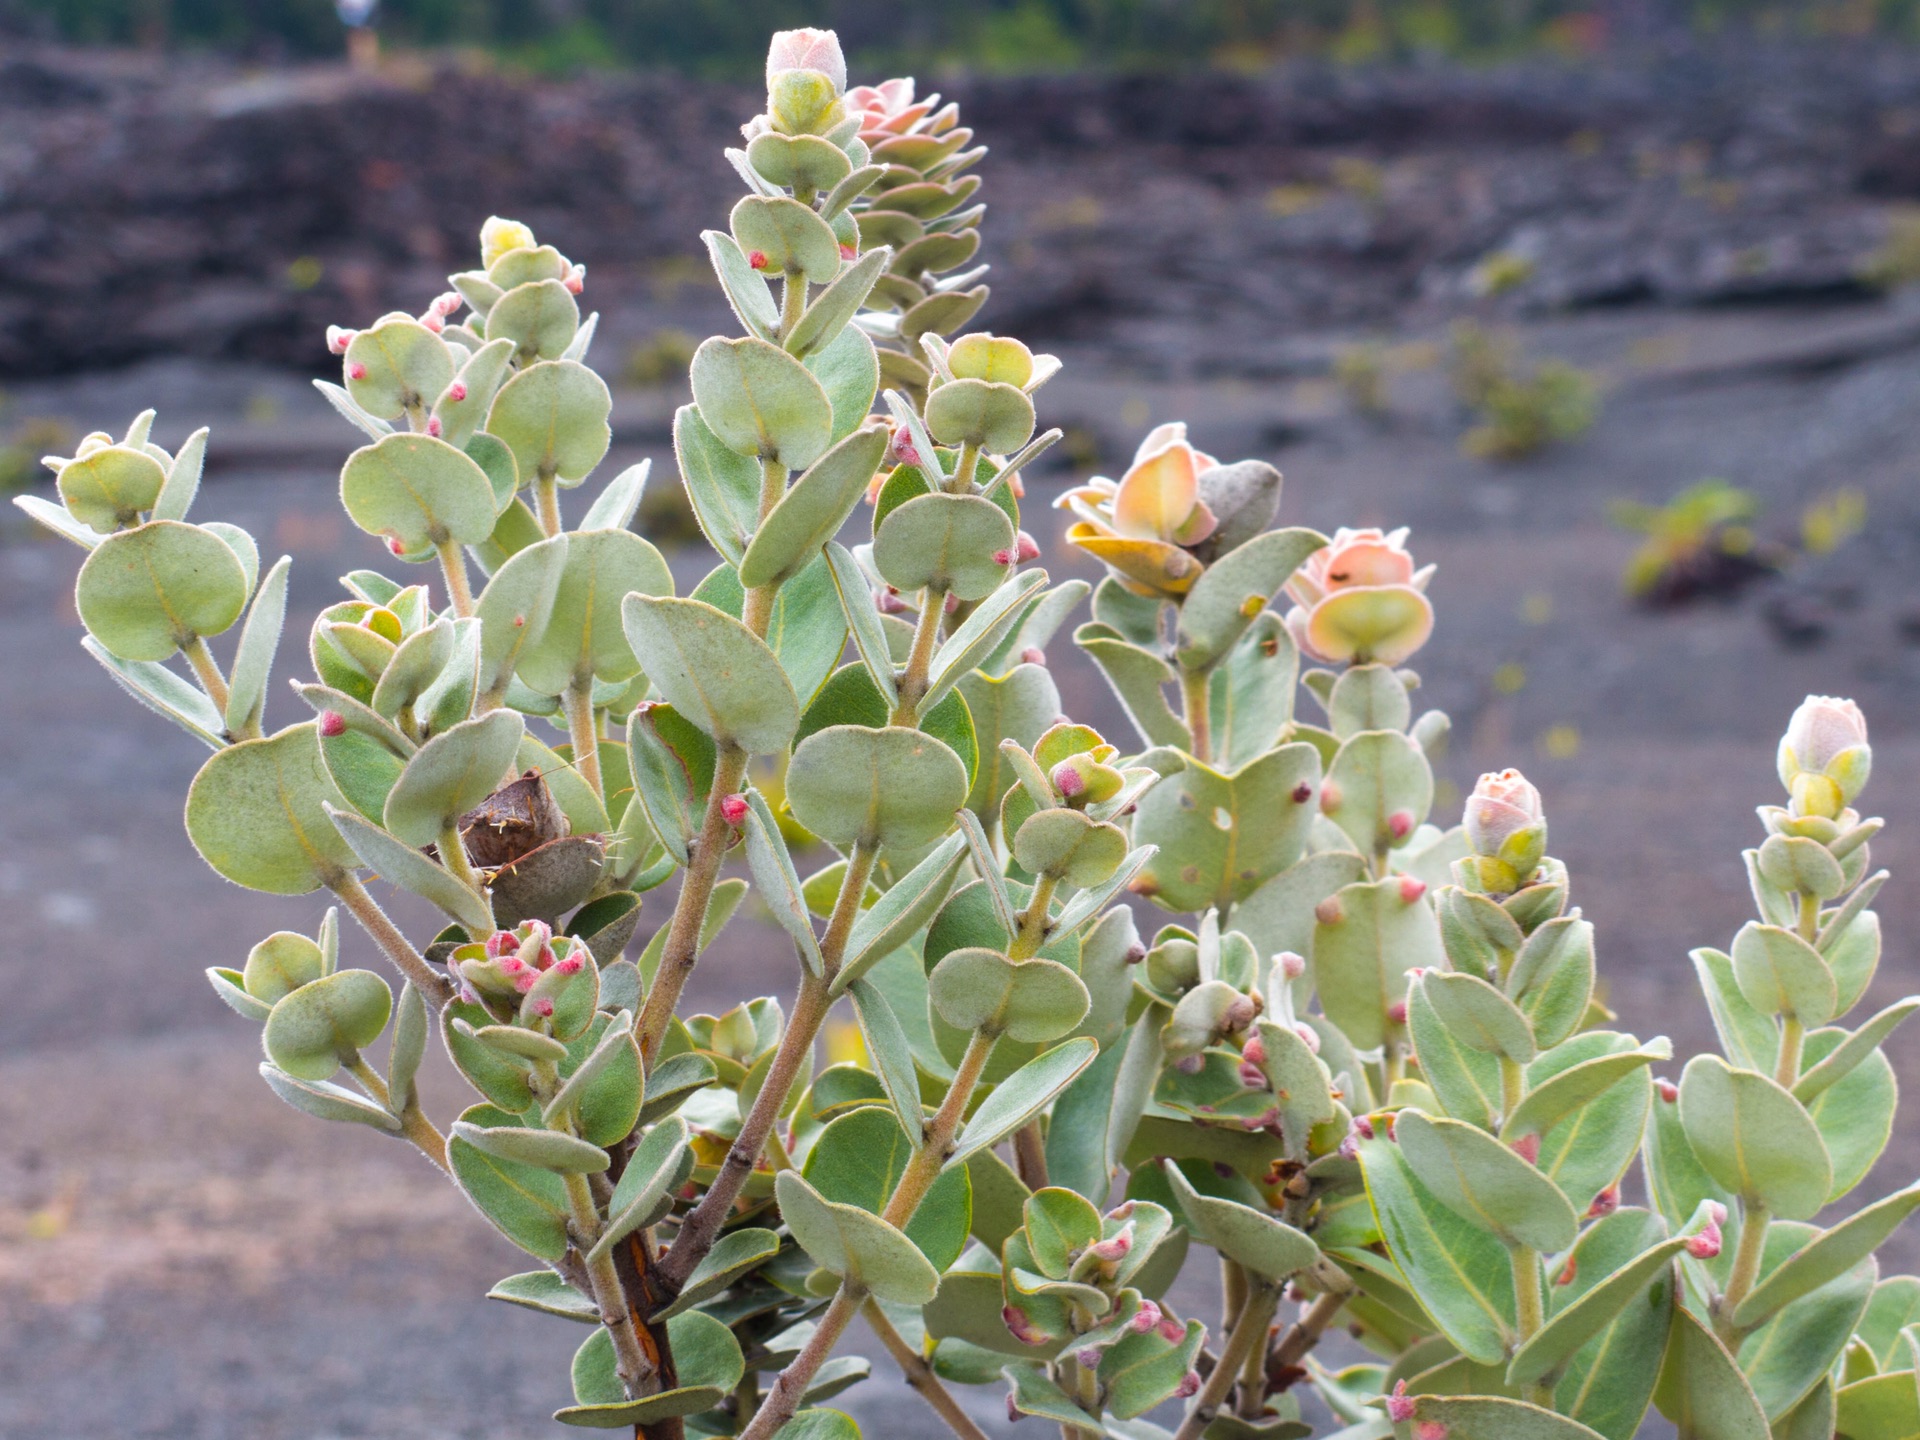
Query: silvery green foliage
(1363, 1061)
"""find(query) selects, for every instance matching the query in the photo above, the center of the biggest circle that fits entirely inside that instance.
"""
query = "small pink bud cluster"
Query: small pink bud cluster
(904, 450)
(1400, 1404)
(1025, 547)
(1146, 1318)
(1171, 1329)
(445, 304)
(1115, 1247)
(1292, 965)
(1706, 1244)
(339, 338)
(434, 427)
(1400, 824)
(1033, 655)
(1527, 1147)
(576, 280)
(1067, 780)
(1360, 1129)
(1669, 1091)
(1253, 1055)
(757, 259)
(332, 723)
(733, 809)
(1188, 1387)
(1411, 889)
(888, 602)
(457, 391)
(356, 370)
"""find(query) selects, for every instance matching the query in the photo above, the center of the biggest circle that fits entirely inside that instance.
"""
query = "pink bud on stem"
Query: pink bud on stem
(757, 259)
(332, 723)
(457, 391)
(733, 809)
(1399, 1404)
(356, 370)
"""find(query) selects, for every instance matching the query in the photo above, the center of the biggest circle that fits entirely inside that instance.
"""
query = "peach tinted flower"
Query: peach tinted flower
(1824, 756)
(1501, 806)
(1360, 599)
(1139, 526)
(807, 49)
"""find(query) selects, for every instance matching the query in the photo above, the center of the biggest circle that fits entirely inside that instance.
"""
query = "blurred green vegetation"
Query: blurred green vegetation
(727, 37)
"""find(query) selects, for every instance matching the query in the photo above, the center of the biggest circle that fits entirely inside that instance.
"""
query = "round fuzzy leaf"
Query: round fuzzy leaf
(1483, 1181)
(1032, 1001)
(540, 318)
(1591, 1147)
(1365, 940)
(144, 593)
(1478, 1015)
(809, 515)
(958, 543)
(514, 609)
(1755, 1138)
(257, 814)
(994, 416)
(451, 774)
(1779, 973)
(280, 965)
(1222, 835)
(761, 401)
(893, 787)
(807, 629)
(525, 1204)
(419, 491)
(707, 1363)
(790, 160)
(850, 697)
(1367, 697)
(1854, 1114)
(1066, 843)
(406, 366)
(108, 489)
(1379, 774)
(855, 1244)
(553, 416)
(316, 1028)
(1235, 588)
(859, 1159)
(714, 671)
(794, 239)
(848, 369)
(584, 638)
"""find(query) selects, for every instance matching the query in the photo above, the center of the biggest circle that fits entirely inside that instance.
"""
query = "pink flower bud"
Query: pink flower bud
(1003, 557)
(952, 603)
(1400, 824)
(572, 965)
(1171, 1329)
(1020, 1327)
(393, 544)
(1145, 1318)
(1067, 780)
(1502, 804)
(1329, 796)
(888, 602)
(1310, 1036)
(904, 451)
(1088, 1356)
(1397, 1013)
(1330, 911)
(576, 280)
(1033, 655)
(1706, 1244)
(1239, 1015)
(733, 809)
(502, 943)
(1527, 1147)
(1254, 1052)
(1025, 547)
(757, 259)
(1605, 1203)
(1252, 1076)
(1189, 1385)
(1412, 887)
(356, 370)
(1399, 1404)
(1669, 1091)
(1430, 1430)
(332, 723)
(434, 321)
(457, 391)
(447, 302)
(1136, 953)
(338, 339)
(543, 1007)
(1115, 1247)
(847, 252)
(1291, 965)
(433, 426)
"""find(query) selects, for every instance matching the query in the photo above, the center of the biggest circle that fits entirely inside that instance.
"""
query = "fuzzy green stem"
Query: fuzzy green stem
(546, 499)
(1529, 1312)
(1754, 1220)
(926, 634)
(1248, 1335)
(630, 1359)
(964, 469)
(584, 732)
(453, 565)
(432, 985)
(793, 302)
(207, 672)
(1195, 698)
(1793, 1034)
(690, 909)
(919, 1375)
(453, 855)
(414, 1124)
(1513, 1085)
(784, 1398)
(1034, 920)
(1085, 1388)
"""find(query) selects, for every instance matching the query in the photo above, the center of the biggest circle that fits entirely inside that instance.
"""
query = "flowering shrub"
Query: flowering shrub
(1363, 1060)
